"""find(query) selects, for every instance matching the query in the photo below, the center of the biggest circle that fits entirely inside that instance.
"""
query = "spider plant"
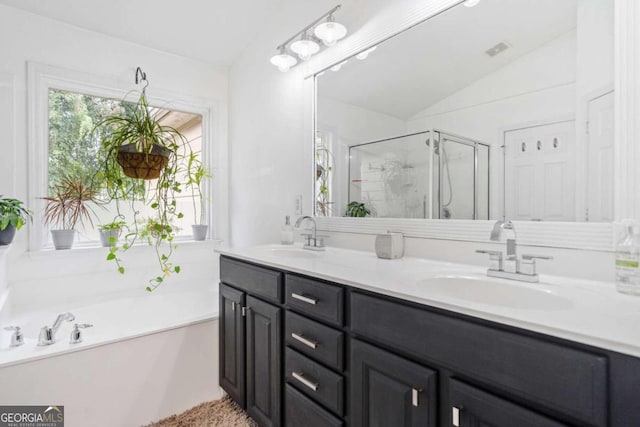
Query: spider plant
(141, 130)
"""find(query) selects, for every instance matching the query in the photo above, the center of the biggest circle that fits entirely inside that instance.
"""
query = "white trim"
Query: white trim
(42, 77)
(578, 235)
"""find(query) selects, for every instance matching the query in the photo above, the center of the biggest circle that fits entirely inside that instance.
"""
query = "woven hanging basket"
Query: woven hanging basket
(142, 165)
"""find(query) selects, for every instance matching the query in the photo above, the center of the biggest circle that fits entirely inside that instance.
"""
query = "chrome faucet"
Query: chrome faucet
(511, 267)
(313, 241)
(48, 335)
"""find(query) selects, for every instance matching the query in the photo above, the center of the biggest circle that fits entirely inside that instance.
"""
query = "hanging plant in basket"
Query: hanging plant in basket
(141, 167)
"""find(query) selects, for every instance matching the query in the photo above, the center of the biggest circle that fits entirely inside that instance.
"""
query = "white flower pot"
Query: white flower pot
(106, 235)
(63, 239)
(199, 232)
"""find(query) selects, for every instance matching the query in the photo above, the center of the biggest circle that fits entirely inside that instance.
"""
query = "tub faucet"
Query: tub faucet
(48, 335)
(510, 266)
(313, 242)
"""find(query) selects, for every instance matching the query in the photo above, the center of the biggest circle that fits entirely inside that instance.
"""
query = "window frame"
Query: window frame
(41, 78)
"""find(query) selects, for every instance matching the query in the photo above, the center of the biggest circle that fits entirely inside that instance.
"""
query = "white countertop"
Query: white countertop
(578, 310)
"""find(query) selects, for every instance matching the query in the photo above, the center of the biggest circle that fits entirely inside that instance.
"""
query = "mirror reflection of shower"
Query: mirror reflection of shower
(430, 174)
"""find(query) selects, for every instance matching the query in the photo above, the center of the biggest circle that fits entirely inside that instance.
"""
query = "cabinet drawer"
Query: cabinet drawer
(315, 299)
(471, 406)
(321, 384)
(321, 342)
(551, 375)
(255, 280)
(301, 411)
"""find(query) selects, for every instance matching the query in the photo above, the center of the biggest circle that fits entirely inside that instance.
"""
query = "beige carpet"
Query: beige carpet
(219, 413)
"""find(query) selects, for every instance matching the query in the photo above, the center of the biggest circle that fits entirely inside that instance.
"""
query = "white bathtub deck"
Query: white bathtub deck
(122, 317)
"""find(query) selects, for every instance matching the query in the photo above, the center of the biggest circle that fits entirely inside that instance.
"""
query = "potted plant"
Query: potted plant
(141, 160)
(12, 217)
(196, 174)
(68, 206)
(357, 209)
(110, 233)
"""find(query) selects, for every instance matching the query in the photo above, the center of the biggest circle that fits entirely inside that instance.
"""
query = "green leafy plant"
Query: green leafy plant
(112, 225)
(143, 131)
(13, 213)
(69, 203)
(324, 162)
(357, 209)
(196, 174)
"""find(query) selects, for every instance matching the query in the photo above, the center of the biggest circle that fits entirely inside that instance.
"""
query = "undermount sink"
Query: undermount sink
(496, 293)
(293, 252)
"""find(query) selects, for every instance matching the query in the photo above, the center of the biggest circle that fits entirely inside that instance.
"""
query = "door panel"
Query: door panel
(232, 351)
(477, 408)
(263, 362)
(387, 390)
(540, 169)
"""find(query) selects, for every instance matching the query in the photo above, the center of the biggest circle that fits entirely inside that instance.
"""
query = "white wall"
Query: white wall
(29, 37)
(270, 154)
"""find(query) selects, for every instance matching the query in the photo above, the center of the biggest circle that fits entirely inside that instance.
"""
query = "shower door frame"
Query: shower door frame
(470, 142)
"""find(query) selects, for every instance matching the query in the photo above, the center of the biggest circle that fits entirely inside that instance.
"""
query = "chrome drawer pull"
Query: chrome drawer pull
(414, 396)
(304, 299)
(313, 386)
(455, 416)
(304, 340)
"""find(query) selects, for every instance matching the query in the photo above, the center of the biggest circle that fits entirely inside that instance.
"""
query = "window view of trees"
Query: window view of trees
(74, 148)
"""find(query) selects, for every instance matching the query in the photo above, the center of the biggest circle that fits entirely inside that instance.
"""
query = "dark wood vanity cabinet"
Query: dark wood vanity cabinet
(388, 390)
(316, 354)
(251, 340)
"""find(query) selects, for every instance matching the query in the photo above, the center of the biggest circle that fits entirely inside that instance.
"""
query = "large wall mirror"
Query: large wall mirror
(504, 109)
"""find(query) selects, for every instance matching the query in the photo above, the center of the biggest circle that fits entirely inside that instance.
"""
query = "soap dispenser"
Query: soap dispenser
(628, 260)
(286, 233)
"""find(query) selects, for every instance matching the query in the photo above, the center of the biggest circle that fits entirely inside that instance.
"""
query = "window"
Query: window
(75, 152)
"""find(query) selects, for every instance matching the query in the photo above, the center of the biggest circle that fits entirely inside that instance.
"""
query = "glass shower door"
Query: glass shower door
(457, 179)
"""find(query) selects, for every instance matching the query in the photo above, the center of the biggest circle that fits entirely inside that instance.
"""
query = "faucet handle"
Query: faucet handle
(528, 263)
(529, 257)
(495, 259)
(17, 339)
(76, 334)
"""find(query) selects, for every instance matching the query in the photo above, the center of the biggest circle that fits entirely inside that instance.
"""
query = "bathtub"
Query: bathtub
(147, 356)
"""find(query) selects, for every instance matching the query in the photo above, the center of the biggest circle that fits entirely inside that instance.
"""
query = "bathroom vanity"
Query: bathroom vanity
(318, 340)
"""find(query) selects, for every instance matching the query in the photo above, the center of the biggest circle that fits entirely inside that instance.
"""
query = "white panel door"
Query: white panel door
(600, 159)
(540, 167)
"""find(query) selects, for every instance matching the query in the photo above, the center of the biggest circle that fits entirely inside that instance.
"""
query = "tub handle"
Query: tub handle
(17, 339)
(76, 334)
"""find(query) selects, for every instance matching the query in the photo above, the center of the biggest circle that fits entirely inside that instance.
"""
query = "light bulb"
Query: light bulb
(363, 55)
(471, 3)
(283, 61)
(305, 48)
(330, 32)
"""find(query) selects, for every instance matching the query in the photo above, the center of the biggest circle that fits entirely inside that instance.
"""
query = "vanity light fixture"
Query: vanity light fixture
(283, 60)
(307, 42)
(305, 48)
(331, 31)
(471, 3)
(364, 54)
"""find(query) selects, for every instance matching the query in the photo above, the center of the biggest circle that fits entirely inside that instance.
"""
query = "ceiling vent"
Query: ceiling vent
(497, 49)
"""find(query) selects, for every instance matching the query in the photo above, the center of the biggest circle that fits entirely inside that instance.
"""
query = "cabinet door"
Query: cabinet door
(264, 376)
(232, 343)
(471, 407)
(387, 390)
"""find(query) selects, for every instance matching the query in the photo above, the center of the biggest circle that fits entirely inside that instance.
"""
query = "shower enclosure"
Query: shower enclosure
(431, 174)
